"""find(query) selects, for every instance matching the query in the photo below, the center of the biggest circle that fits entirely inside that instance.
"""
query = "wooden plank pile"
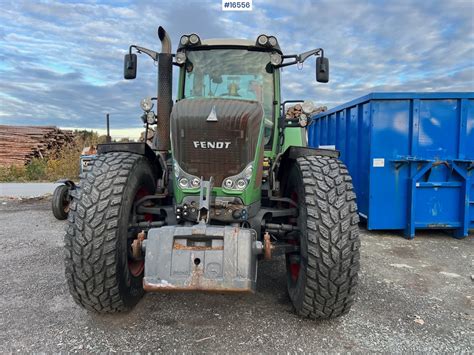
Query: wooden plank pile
(20, 144)
(294, 112)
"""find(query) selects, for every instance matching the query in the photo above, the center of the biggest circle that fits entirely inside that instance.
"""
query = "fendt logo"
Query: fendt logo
(211, 145)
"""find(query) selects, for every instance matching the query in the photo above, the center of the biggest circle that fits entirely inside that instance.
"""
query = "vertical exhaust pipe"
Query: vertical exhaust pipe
(165, 40)
(165, 98)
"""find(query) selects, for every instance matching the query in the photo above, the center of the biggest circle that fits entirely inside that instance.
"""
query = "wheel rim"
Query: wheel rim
(294, 271)
(65, 202)
(136, 267)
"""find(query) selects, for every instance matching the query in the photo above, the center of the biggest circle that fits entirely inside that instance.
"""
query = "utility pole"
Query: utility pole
(109, 139)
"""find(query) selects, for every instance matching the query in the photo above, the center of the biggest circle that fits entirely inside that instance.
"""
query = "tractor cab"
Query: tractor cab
(233, 69)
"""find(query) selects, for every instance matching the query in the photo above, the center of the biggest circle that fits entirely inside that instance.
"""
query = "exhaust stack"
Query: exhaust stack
(165, 99)
(165, 40)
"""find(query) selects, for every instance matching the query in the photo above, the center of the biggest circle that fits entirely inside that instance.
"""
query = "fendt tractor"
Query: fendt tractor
(228, 181)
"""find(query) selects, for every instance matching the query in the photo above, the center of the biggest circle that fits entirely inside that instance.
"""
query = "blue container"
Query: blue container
(411, 157)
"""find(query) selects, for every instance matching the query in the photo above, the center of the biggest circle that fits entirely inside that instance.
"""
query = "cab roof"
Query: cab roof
(227, 42)
(230, 42)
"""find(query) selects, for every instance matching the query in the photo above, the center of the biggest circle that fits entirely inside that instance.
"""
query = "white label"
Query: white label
(379, 163)
(332, 147)
(236, 5)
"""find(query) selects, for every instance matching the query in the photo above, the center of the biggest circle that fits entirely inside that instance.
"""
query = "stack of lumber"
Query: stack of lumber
(20, 144)
(294, 112)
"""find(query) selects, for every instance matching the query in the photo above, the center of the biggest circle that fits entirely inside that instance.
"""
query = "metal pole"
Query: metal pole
(109, 139)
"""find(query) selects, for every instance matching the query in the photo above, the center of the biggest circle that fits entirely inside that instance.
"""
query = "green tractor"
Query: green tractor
(228, 181)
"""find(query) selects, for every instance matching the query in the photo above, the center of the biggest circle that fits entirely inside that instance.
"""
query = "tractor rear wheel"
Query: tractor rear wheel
(101, 272)
(322, 276)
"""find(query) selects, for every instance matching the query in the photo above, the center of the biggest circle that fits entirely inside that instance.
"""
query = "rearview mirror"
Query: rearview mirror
(322, 69)
(130, 66)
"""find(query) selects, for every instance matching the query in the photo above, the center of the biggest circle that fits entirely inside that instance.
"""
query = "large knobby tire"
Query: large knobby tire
(322, 276)
(60, 202)
(98, 266)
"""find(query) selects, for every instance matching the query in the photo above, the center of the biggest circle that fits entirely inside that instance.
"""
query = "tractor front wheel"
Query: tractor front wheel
(322, 275)
(101, 272)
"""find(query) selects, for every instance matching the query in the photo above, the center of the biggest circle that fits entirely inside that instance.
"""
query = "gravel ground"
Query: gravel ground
(413, 296)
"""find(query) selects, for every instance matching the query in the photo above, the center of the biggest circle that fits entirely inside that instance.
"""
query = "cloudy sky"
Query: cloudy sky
(61, 62)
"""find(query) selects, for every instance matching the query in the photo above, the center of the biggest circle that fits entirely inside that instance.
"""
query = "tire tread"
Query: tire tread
(333, 238)
(92, 233)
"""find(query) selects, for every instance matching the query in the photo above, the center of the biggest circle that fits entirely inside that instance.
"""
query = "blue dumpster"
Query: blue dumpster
(411, 157)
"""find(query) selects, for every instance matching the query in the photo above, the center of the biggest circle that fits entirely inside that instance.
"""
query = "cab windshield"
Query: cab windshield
(232, 73)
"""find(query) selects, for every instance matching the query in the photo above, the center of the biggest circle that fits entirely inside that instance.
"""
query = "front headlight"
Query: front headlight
(275, 58)
(194, 39)
(176, 169)
(146, 104)
(262, 40)
(150, 117)
(228, 183)
(240, 181)
(185, 180)
(241, 184)
(184, 40)
(248, 172)
(272, 41)
(180, 57)
(195, 183)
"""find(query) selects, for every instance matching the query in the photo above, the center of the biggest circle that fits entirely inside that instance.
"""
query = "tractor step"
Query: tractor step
(202, 258)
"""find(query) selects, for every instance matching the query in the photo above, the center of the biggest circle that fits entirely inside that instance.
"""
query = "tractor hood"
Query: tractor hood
(215, 137)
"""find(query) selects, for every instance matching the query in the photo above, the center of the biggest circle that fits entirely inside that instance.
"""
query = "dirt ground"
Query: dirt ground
(413, 296)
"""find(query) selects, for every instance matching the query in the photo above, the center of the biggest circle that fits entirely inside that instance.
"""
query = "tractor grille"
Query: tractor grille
(219, 148)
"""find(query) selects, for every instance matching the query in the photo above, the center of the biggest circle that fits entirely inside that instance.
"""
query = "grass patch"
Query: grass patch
(13, 174)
